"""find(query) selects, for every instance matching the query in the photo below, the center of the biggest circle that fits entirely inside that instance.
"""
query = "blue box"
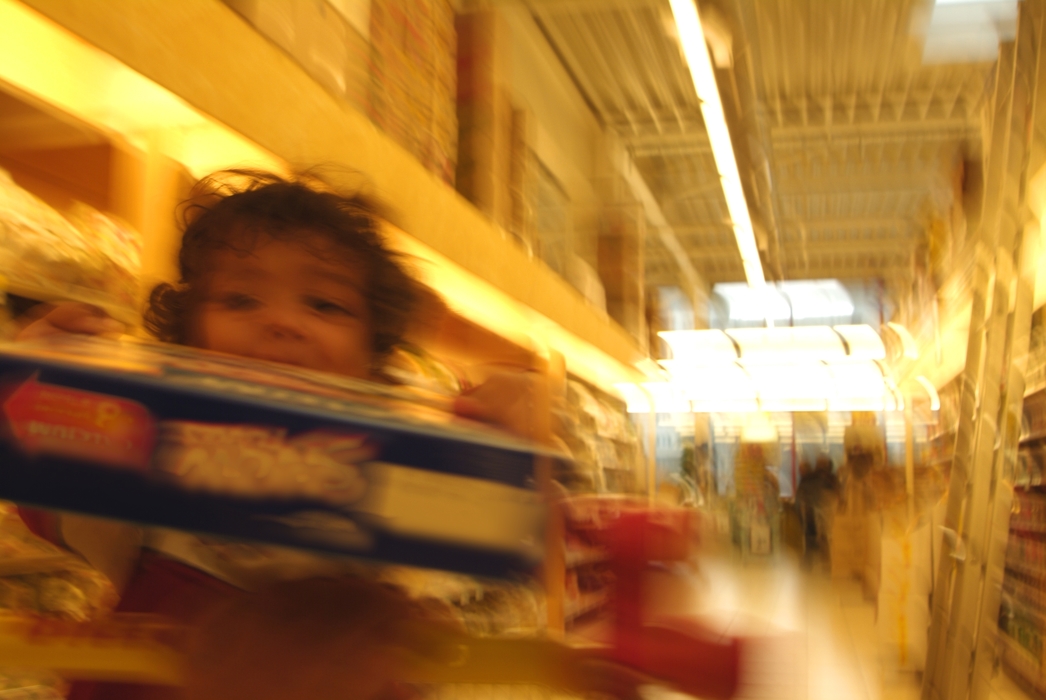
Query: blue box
(180, 438)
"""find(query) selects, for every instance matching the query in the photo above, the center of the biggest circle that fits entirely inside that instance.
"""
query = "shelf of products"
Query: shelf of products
(596, 429)
(578, 556)
(1031, 461)
(1035, 372)
(270, 103)
(1022, 614)
(40, 579)
(588, 574)
(586, 603)
(1026, 666)
(83, 255)
(308, 127)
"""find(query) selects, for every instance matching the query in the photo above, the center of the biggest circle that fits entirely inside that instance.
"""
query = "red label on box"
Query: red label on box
(55, 420)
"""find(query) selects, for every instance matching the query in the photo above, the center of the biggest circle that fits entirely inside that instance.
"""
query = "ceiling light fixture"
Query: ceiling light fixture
(860, 385)
(773, 345)
(931, 391)
(802, 368)
(695, 50)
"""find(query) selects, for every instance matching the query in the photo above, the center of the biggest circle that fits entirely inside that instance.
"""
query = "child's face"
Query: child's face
(283, 302)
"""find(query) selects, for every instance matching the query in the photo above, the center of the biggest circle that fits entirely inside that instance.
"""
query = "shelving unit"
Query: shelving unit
(588, 578)
(246, 90)
(164, 103)
(585, 604)
(1022, 615)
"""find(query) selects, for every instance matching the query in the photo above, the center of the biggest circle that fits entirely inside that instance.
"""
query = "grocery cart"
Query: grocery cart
(96, 428)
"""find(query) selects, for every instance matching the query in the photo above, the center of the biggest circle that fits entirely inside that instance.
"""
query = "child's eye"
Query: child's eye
(239, 302)
(326, 306)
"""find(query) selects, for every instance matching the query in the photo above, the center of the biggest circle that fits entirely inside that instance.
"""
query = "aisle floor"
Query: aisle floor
(824, 644)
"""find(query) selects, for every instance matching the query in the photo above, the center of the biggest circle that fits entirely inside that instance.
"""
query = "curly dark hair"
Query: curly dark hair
(230, 209)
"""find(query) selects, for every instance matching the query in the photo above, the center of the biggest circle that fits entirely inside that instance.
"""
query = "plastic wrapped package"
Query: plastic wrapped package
(412, 366)
(89, 257)
(51, 585)
(37, 577)
(18, 685)
(484, 607)
(601, 439)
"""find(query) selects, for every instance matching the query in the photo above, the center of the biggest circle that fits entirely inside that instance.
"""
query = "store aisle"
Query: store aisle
(821, 636)
(822, 643)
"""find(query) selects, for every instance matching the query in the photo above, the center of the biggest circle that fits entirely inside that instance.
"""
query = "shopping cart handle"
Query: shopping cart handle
(682, 654)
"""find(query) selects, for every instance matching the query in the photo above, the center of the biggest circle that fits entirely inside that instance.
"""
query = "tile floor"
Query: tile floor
(821, 637)
(823, 642)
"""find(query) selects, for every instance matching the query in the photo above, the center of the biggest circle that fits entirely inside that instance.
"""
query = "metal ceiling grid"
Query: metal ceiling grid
(829, 104)
(846, 54)
(860, 130)
(635, 79)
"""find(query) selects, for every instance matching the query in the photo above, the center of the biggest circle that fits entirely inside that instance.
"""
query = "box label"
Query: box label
(54, 420)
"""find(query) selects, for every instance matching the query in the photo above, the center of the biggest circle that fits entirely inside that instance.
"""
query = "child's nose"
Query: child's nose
(283, 322)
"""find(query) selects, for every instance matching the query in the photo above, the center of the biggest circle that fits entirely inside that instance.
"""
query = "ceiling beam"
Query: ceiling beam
(693, 142)
(857, 223)
(653, 123)
(818, 269)
(899, 245)
(905, 108)
(835, 272)
(887, 182)
(692, 234)
(797, 136)
(558, 6)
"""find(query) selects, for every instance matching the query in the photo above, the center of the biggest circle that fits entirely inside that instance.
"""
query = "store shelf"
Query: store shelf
(585, 604)
(1035, 572)
(271, 101)
(1035, 373)
(1033, 439)
(1028, 608)
(1029, 595)
(1024, 583)
(1026, 552)
(1021, 663)
(584, 557)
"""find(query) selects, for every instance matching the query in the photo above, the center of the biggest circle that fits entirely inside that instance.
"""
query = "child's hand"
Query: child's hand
(70, 317)
(516, 400)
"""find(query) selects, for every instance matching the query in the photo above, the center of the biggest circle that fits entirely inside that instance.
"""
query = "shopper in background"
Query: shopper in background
(289, 271)
(772, 505)
(816, 498)
(827, 498)
(805, 497)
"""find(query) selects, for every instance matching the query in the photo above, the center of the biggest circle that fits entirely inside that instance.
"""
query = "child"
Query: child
(274, 269)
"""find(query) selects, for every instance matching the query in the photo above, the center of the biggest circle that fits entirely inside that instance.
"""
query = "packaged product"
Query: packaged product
(88, 257)
(218, 445)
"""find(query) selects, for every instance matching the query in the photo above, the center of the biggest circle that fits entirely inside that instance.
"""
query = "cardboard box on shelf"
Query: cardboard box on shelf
(485, 112)
(414, 83)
